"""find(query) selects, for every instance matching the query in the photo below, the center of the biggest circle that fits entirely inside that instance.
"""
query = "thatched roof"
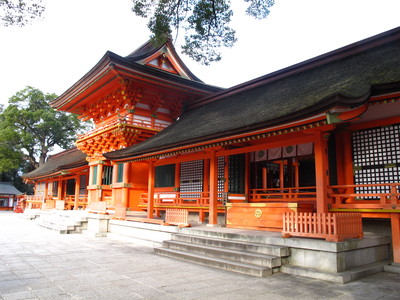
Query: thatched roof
(345, 77)
(63, 161)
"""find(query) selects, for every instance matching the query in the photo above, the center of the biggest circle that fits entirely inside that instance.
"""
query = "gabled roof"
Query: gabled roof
(63, 161)
(148, 52)
(7, 188)
(345, 77)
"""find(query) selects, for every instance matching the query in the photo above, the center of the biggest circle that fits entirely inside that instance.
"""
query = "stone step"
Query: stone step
(220, 263)
(62, 223)
(55, 227)
(262, 260)
(280, 251)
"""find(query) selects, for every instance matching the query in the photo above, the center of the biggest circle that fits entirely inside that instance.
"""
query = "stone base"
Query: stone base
(340, 277)
(97, 224)
(143, 233)
(392, 268)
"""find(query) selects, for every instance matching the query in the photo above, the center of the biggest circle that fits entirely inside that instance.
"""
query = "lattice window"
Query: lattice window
(221, 174)
(107, 175)
(191, 178)
(376, 156)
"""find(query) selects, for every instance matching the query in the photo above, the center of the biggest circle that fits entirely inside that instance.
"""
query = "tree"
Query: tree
(30, 129)
(20, 12)
(206, 23)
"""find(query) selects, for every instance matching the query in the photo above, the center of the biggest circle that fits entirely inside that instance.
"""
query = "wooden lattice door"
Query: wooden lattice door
(376, 157)
(191, 180)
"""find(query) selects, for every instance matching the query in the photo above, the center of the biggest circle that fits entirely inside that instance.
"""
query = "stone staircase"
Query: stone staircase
(63, 222)
(239, 256)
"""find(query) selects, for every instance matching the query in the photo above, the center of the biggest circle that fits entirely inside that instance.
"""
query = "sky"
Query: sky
(54, 53)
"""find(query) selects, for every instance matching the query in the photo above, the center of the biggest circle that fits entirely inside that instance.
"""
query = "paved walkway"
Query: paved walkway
(39, 264)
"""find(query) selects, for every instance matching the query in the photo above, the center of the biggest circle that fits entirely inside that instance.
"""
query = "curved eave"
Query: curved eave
(58, 172)
(313, 114)
(97, 76)
(106, 76)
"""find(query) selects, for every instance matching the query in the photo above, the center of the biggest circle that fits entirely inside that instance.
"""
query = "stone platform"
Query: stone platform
(315, 258)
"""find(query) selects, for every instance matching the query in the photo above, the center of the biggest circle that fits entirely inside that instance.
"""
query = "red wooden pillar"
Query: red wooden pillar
(99, 179)
(264, 178)
(321, 171)
(213, 214)
(395, 220)
(91, 171)
(46, 190)
(59, 190)
(296, 174)
(281, 175)
(348, 158)
(125, 189)
(177, 176)
(150, 191)
(339, 141)
(77, 187)
(115, 174)
(114, 181)
(247, 176)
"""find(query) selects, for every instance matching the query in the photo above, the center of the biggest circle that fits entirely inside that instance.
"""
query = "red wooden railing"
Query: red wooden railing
(176, 216)
(295, 194)
(333, 227)
(34, 201)
(179, 199)
(70, 201)
(127, 120)
(347, 196)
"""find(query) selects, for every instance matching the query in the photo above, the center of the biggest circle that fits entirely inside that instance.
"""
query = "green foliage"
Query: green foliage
(206, 23)
(20, 12)
(30, 129)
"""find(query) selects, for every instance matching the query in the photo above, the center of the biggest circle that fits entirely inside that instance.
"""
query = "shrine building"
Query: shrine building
(8, 196)
(310, 151)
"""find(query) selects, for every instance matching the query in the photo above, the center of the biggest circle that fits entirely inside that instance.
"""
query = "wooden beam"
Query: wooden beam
(281, 141)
